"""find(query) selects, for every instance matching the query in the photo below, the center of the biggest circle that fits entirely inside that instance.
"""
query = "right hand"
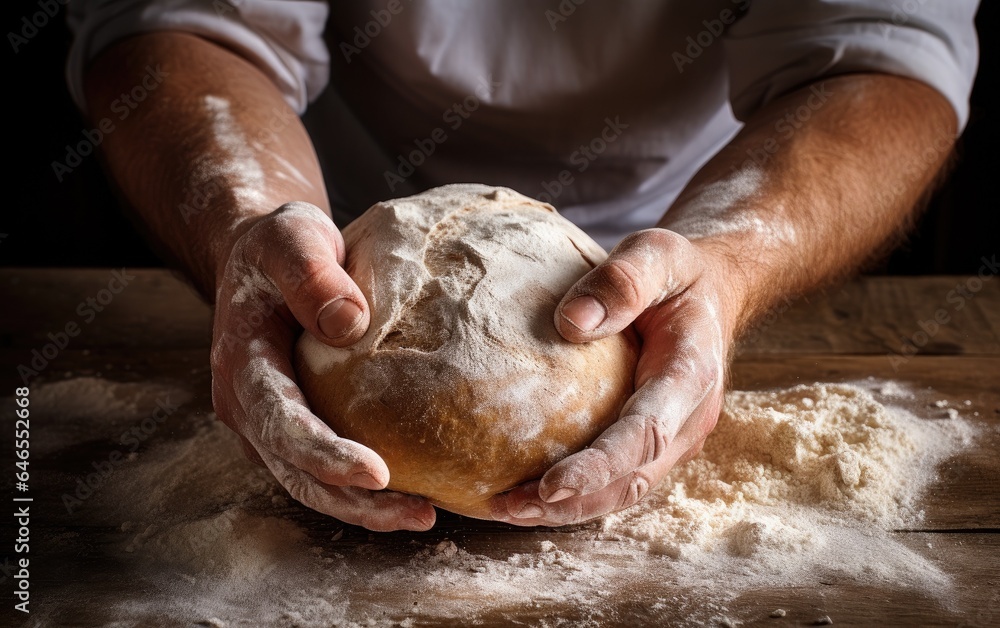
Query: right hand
(282, 274)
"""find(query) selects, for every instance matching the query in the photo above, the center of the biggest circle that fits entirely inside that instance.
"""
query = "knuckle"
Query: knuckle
(639, 487)
(663, 240)
(298, 207)
(657, 250)
(654, 238)
(655, 440)
(284, 227)
(301, 218)
(295, 488)
(594, 468)
(303, 273)
(303, 491)
(637, 240)
(567, 514)
(269, 432)
(310, 276)
(578, 514)
(623, 280)
(633, 490)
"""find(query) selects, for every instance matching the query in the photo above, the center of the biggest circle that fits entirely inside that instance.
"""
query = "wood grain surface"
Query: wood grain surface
(158, 329)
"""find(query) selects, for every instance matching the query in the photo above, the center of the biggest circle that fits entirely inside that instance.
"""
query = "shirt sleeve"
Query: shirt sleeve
(781, 44)
(282, 37)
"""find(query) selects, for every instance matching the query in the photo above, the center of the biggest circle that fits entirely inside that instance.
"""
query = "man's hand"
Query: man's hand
(284, 273)
(826, 198)
(218, 136)
(677, 297)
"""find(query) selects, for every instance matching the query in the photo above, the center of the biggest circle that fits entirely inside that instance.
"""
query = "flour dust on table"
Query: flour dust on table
(794, 486)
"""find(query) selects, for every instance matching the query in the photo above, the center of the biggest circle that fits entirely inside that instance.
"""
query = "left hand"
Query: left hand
(680, 300)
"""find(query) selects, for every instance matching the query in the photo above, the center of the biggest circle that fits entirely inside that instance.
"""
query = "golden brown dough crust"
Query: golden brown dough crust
(462, 384)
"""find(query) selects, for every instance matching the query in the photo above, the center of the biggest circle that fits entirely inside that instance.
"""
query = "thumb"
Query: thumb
(646, 268)
(304, 258)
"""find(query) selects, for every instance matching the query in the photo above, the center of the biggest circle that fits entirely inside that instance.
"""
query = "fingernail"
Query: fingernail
(365, 480)
(585, 313)
(412, 523)
(530, 511)
(339, 318)
(561, 494)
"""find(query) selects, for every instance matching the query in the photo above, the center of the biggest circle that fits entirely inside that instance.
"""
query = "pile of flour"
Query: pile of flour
(798, 481)
(794, 487)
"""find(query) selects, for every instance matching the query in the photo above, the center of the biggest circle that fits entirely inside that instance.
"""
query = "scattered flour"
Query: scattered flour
(892, 389)
(794, 486)
(75, 407)
(721, 208)
(792, 477)
(238, 165)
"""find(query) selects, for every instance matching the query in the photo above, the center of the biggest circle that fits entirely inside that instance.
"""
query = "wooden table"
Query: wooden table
(156, 328)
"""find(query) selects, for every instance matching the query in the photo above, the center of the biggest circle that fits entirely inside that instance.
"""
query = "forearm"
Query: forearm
(815, 184)
(211, 148)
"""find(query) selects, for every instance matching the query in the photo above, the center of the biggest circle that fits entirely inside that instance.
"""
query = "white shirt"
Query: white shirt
(604, 109)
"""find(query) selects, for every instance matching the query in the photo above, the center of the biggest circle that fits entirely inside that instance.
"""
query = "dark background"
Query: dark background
(78, 222)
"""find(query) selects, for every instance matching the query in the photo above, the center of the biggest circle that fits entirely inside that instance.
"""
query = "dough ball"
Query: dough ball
(462, 383)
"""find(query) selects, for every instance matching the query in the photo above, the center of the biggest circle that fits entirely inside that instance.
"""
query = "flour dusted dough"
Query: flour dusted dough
(462, 383)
